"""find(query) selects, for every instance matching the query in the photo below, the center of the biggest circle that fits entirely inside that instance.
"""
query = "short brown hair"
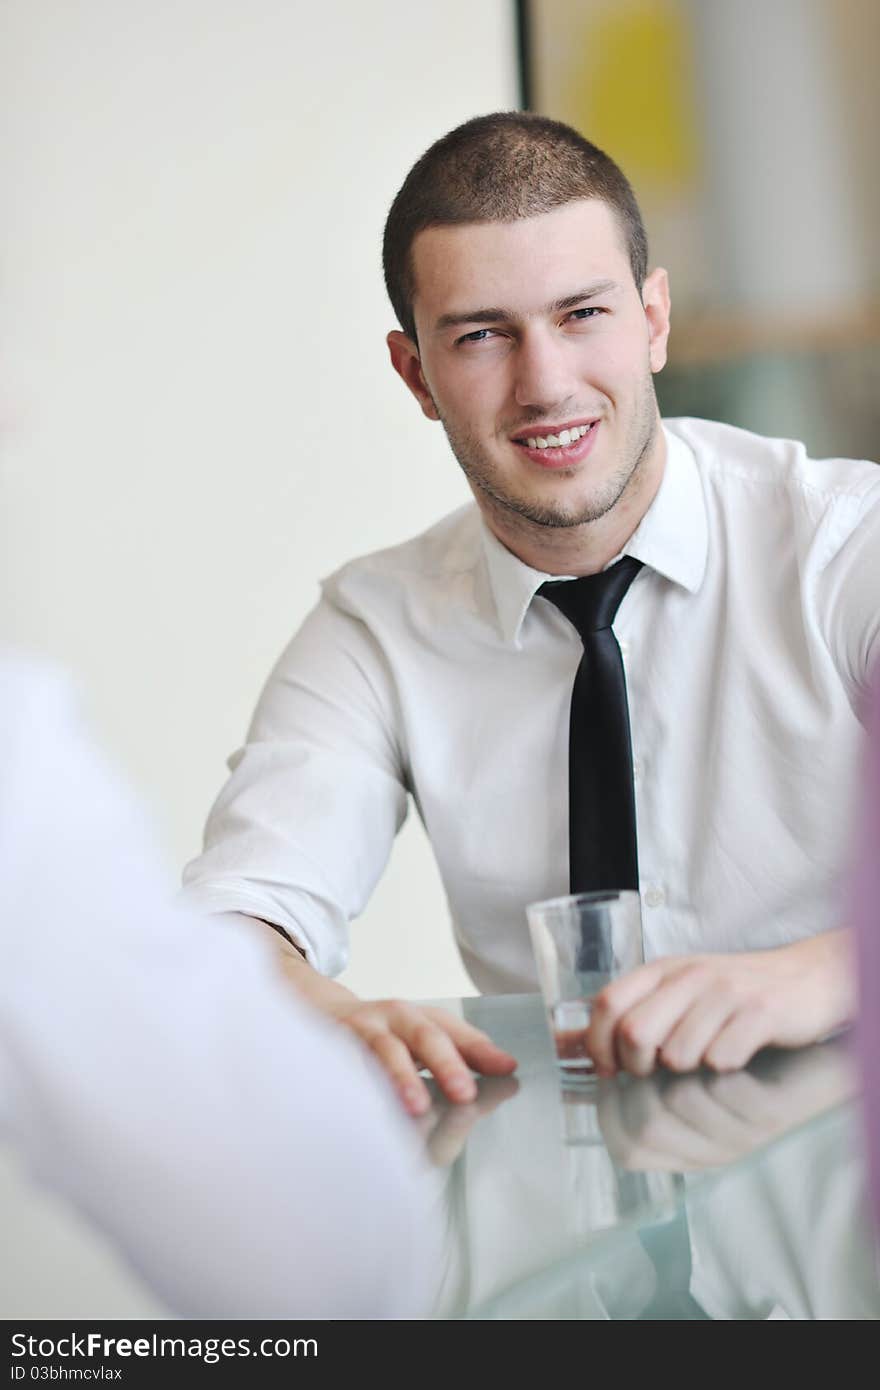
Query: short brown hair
(501, 168)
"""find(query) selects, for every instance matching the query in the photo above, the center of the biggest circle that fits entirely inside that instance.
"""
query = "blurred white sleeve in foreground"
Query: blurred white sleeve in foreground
(243, 1154)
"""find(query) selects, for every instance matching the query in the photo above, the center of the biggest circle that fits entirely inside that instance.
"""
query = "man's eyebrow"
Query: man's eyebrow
(472, 316)
(495, 315)
(572, 300)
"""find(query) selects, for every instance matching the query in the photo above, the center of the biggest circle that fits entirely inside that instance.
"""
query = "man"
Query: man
(516, 259)
(145, 1074)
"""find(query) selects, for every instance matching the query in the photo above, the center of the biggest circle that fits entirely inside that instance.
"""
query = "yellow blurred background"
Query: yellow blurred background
(749, 130)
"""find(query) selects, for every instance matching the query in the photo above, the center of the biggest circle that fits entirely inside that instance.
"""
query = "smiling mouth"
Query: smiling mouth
(562, 440)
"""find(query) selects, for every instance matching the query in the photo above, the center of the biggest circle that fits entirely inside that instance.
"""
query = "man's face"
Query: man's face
(532, 329)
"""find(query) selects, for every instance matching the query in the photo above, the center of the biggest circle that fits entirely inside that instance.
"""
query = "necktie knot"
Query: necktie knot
(591, 602)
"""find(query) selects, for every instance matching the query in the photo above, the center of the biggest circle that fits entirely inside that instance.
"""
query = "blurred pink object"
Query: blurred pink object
(867, 922)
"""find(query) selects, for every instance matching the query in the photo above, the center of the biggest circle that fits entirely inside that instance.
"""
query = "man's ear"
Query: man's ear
(655, 297)
(406, 362)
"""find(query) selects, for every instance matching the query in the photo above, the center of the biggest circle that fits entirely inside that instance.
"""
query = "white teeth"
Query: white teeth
(560, 440)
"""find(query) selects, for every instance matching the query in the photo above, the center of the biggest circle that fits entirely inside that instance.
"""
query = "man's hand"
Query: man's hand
(718, 1011)
(404, 1037)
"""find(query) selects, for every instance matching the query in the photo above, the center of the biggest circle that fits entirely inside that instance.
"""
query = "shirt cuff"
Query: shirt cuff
(279, 937)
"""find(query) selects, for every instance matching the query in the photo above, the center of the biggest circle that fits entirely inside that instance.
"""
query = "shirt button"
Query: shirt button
(654, 896)
(624, 647)
(637, 769)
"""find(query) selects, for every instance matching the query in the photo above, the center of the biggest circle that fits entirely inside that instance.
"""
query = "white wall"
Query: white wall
(198, 416)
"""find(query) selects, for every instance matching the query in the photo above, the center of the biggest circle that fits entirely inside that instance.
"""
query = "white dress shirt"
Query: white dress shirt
(432, 670)
(246, 1156)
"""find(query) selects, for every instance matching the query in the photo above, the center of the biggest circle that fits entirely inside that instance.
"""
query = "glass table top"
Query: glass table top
(699, 1196)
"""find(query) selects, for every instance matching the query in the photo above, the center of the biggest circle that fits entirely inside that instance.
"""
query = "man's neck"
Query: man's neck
(584, 549)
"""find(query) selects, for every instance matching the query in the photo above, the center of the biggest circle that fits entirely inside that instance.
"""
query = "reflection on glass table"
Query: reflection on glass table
(700, 1196)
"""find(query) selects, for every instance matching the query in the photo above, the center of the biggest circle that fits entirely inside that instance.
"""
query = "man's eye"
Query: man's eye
(479, 335)
(580, 314)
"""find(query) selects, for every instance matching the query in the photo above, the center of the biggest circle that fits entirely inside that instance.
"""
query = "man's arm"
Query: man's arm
(718, 1011)
(303, 829)
(400, 1035)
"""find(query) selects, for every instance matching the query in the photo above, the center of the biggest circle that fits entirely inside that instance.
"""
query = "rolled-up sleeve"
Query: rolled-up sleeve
(303, 829)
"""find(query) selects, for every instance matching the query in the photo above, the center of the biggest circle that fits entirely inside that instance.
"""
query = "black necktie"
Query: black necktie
(601, 806)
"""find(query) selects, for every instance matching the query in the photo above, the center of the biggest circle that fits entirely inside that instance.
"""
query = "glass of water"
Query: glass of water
(580, 943)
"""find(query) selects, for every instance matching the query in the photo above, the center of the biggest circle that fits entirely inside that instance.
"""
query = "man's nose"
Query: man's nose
(543, 370)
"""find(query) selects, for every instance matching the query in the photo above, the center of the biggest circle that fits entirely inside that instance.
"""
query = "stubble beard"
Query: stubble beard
(483, 476)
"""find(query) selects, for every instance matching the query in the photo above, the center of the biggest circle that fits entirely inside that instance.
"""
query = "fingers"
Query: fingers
(701, 1019)
(612, 1005)
(672, 1024)
(683, 1013)
(403, 1037)
(475, 1046)
(395, 1057)
(750, 1029)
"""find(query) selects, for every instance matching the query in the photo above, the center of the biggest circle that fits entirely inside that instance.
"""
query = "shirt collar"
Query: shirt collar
(672, 538)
